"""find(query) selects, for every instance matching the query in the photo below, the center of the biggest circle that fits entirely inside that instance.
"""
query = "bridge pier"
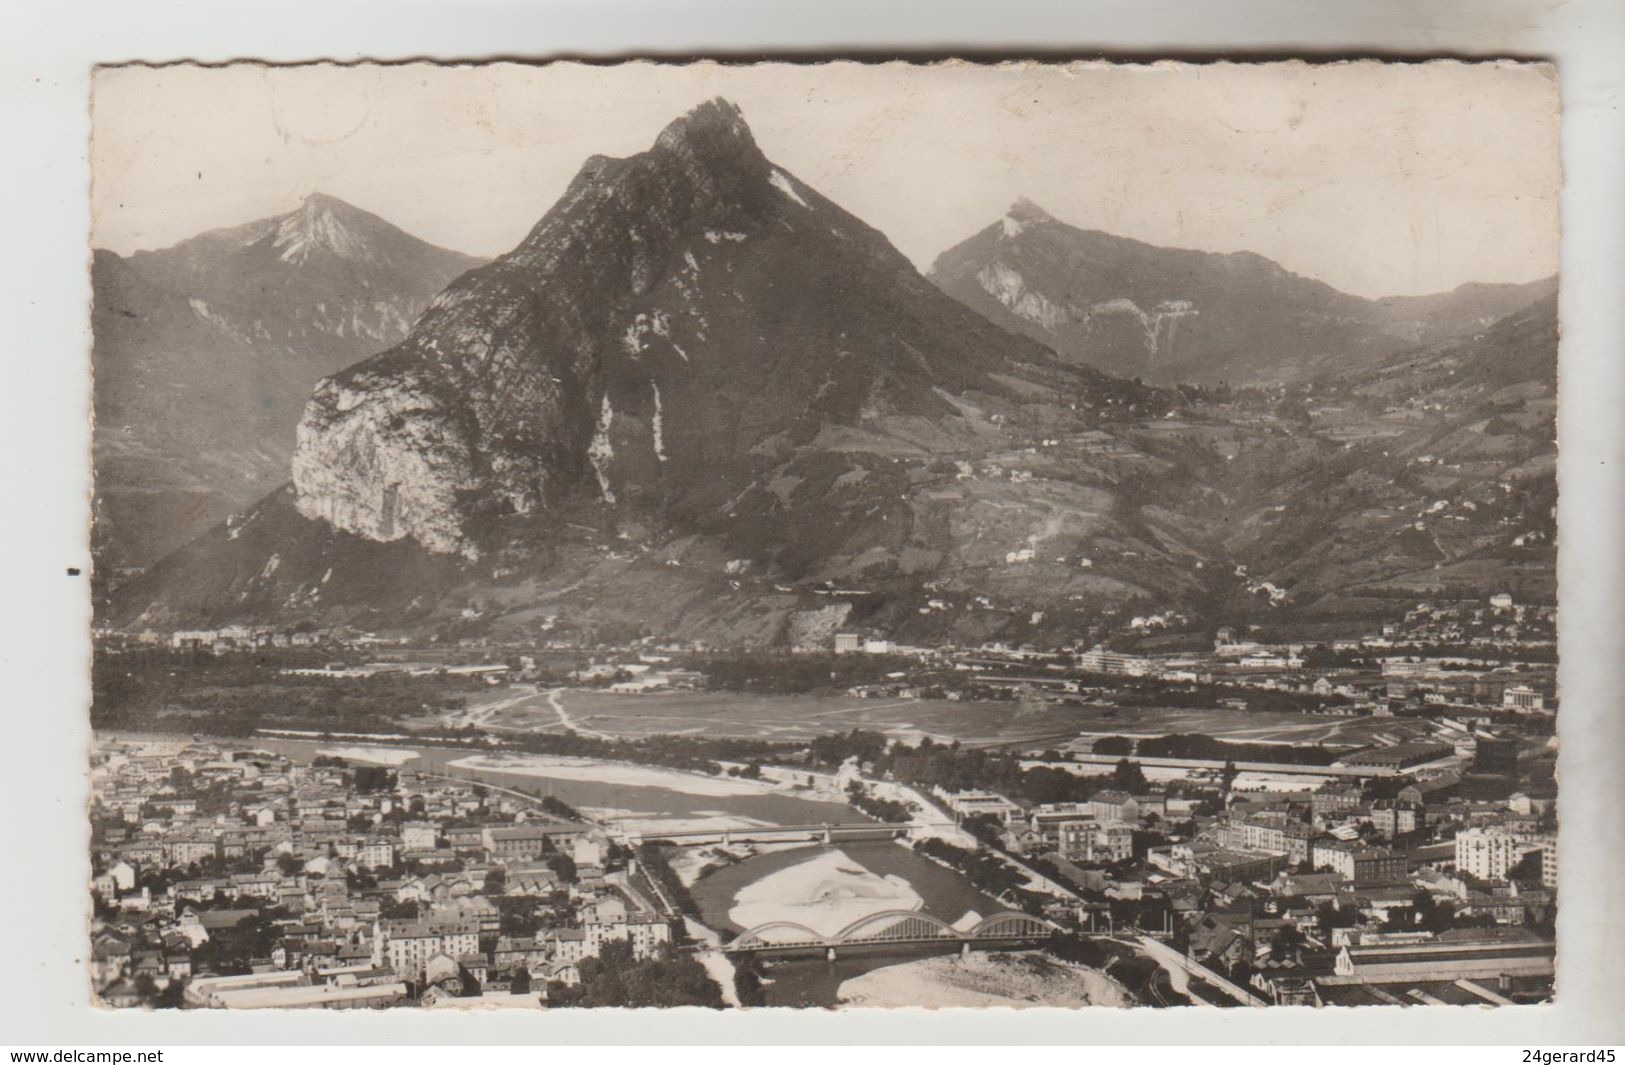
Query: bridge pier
(964, 949)
(828, 839)
(829, 954)
(727, 839)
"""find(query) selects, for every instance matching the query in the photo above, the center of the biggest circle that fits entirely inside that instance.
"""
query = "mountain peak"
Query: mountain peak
(1024, 213)
(1028, 211)
(714, 130)
(673, 312)
(718, 114)
(321, 223)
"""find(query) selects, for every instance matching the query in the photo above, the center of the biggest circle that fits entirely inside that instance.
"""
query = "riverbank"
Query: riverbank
(944, 893)
(630, 796)
(689, 864)
(716, 963)
(1020, 980)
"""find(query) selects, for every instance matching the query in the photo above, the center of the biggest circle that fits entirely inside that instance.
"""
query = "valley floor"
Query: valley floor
(803, 717)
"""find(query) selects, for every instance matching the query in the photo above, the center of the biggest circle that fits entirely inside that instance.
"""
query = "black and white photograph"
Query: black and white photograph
(826, 535)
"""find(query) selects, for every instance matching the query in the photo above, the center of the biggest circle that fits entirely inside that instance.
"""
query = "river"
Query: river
(609, 795)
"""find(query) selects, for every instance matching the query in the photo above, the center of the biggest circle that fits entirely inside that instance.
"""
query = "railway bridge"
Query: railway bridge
(893, 928)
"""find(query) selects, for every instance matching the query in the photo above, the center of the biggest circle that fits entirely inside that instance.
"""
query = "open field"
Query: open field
(789, 718)
(800, 718)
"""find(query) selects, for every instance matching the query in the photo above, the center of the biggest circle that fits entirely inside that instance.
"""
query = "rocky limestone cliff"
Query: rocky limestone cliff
(702, 402)
(677, 319)
(383, 457)
(698, 399)
(205, 354)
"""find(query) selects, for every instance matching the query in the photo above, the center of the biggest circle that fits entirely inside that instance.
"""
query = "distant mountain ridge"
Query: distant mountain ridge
(676, 318)
(700, 401)
(1446, 485)
(205, 352)
(1174, 315)
(1464, 310)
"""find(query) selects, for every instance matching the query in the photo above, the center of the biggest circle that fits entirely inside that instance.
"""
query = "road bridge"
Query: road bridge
(824, 833)
(893, 928)
(1085, 763)
(1169, 959)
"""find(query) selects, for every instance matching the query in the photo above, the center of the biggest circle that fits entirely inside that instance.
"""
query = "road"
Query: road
(1171, 959)
(1176, 977)
(569, 722)
(482, 716)
(498, 787)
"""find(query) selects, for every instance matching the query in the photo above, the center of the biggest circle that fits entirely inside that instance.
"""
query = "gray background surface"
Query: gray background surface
(48, 49)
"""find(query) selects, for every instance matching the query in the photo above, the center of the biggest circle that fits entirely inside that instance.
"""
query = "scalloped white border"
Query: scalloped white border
(45, 57)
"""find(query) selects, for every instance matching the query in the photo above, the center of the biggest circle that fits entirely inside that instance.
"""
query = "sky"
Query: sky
(1380, 179)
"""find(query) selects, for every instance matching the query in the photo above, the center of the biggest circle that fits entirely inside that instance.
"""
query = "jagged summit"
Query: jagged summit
(1022, 215)
(678, 317)
(1028, 211)
(715, 121)
(714, 146)
(324, 223)
(323, 230)
(316, 199)
(704, 166)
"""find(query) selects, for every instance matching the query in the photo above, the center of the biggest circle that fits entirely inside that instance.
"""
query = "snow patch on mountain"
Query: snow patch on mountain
(601, 451)
(657, 324)
(656, 426)
(632, 339)
(782, 183)
(1159, 324)
(314, 227)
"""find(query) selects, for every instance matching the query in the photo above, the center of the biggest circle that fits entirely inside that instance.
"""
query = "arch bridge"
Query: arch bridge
(828, 832)
(889, 927)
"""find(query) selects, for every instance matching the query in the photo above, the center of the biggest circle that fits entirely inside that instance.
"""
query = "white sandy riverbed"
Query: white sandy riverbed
(826, 892)
(689, 862)
(560, 767)
(983, 979)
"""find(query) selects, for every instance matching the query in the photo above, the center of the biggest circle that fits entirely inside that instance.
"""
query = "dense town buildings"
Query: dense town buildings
(244, 879)
(1422, 857)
